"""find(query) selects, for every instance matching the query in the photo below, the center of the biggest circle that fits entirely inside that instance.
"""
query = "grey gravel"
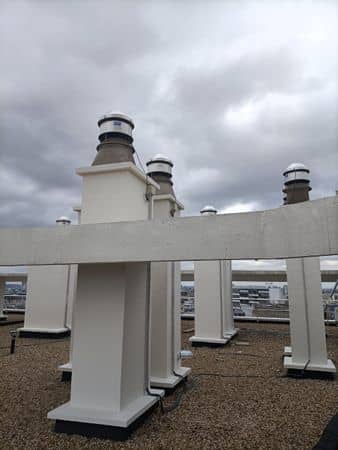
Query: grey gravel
(263, 411)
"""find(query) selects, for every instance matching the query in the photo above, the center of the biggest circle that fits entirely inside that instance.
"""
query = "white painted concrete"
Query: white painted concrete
(229, 329)
(110, 360)
(110, 189)
(2, 298)
(213, 303)
(72, 286)
(165, 311)
(307, 328)
(49, 293)
(291, 231)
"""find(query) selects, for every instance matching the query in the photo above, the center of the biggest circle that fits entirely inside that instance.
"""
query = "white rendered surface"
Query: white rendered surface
(46, 299)
(2, 298)
(165, 311)
(214, 321)
(72, 285)
(307, 328)
(114, 193)
(208, 303)
(291, 231)
(109, 357)
(229, 329)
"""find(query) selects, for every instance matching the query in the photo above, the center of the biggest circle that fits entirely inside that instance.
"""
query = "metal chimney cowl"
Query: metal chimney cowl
(116, 139)
(159, 168)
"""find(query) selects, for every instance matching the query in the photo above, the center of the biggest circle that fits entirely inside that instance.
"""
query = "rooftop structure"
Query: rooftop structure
(159, 168)
(116, 139)
(296, 183)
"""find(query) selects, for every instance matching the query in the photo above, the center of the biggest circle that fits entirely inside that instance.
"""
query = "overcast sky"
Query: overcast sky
(231, 91)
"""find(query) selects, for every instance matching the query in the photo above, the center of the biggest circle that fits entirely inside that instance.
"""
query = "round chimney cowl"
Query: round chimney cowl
(296, 172)
(63, 220)
(296, 183)
(114, 124)
(160, 164)
(208, 211)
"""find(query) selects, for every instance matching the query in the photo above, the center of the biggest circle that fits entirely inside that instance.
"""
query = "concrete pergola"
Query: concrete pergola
(304, 230)
(291, 231)
(328, 276)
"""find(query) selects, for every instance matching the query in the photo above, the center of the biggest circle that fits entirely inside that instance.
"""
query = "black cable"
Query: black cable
(253, 355)
(183, 389)
(222, 375)
(36, 344)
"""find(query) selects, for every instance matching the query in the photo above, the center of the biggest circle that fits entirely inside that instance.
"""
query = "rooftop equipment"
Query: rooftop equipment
(63, 220)
(296, 183)
(116, 139)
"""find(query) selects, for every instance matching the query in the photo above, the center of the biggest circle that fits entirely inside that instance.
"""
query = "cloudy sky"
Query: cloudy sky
(231, 91)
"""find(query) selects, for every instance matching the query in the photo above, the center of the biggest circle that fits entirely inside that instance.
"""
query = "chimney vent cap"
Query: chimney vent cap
(160, 164)
(63, 220)
(112, 115)
(296, 172)
(208, 210)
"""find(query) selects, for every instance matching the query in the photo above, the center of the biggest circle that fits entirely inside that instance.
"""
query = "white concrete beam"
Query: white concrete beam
(299, 230)
(263, 275)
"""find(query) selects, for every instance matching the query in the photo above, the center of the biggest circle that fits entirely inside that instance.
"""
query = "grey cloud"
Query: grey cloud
(66, 63)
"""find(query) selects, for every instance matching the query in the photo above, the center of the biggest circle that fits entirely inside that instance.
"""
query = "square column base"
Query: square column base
(295, 367)
(230, 334)
(171, 381)
(117, 425)
(44, 333)
(208, 342)
(66, 370)
(287, 351)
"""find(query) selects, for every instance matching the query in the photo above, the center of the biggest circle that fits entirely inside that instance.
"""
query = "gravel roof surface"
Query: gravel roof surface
(257, 408)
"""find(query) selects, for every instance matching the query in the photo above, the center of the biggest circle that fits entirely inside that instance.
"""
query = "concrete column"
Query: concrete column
(46, 302)
(2, 299)
(214, 323)
(109, 356)
(49, 298)
(229, 329)
(166, 371)
(307, 329)
(110, 385)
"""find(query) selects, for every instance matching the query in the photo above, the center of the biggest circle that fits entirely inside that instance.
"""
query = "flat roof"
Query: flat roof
(238, 397)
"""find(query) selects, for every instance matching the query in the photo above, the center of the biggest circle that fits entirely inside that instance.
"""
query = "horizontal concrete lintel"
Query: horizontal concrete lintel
(292, 231)
(263, 275)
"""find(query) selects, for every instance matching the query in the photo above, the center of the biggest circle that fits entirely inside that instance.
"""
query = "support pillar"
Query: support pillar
(110, 388)
(166, 370)
(3, 317)
(46, 302)
(214, 324)
(109, 380)
(307, 354)
(229, 329)
(307, 328)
